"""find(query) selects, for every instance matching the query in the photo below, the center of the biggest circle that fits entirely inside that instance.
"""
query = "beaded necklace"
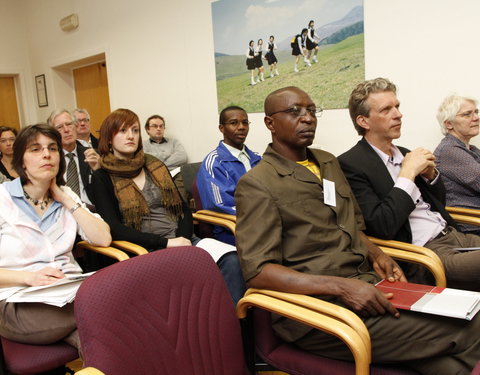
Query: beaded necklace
(36, 202)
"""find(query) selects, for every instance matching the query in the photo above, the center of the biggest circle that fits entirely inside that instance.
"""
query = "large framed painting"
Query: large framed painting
(263, 45)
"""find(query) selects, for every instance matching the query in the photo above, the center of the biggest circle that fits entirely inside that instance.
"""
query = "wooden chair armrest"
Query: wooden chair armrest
(434, 266)
(218, 214)
(89, 371)
(130, 247)
(404, 246)
(466, 219)
(230, 225)
(360, 348)
(337, 312)
(108, 251)
(463, 211)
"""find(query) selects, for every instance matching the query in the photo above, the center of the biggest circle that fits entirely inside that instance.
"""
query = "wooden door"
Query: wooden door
(91, 90)
(8, 103)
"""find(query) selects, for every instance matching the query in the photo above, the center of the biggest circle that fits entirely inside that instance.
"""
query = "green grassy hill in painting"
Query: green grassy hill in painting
(329, 82)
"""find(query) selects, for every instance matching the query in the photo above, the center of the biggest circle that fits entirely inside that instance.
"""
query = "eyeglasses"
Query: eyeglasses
(61, 127)
(469, 114)
(156, 126)
(301, 111)
(37, 149)
(236, 123)
(6, 140)
(85, 120)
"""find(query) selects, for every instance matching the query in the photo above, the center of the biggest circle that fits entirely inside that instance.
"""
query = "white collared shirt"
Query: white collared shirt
(240, 155)
(424, 223)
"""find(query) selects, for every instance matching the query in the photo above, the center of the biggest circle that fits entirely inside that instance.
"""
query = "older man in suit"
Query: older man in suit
(84, 136)
(80, 161)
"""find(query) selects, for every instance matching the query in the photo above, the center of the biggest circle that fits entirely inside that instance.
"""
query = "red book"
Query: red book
(455, 303)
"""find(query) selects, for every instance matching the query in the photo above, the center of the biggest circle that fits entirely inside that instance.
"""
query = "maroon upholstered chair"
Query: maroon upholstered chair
(25, 359)
(166, 312)
(295, 361)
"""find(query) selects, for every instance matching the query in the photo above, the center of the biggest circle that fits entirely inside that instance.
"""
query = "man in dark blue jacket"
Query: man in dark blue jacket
(222, 168)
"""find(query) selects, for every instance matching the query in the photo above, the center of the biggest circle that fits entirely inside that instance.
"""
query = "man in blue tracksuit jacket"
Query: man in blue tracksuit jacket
(222, 168)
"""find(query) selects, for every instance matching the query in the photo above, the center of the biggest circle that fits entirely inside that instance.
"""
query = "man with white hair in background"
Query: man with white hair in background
(80, 161)
(84, 135)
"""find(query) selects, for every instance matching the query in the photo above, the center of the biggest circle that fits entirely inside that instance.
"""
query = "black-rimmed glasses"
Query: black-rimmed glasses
(298, 111)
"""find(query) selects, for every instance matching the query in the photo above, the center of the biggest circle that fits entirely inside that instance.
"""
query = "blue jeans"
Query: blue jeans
(232, 273)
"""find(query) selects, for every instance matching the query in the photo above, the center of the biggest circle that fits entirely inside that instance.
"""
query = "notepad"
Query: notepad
(59, 293)
(429, 299)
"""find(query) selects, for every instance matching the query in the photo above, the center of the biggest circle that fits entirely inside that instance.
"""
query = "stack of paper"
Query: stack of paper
(455, 303)
(58, 294)
(215, 248)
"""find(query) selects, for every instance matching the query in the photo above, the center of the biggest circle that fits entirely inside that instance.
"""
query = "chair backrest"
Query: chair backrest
(167, 312)
(189, 173)
(205, 230)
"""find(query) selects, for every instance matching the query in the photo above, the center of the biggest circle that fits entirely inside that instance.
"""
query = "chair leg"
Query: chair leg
(248, 342)
(253, 360)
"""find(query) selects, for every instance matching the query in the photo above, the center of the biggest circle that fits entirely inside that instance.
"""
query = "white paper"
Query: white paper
(215, 248)
(58, 294)
(449, 303)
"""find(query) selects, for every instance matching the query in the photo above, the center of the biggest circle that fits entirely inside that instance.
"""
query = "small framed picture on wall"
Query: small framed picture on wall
(41, 90)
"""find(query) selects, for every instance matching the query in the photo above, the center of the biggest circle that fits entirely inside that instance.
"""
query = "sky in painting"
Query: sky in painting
(236, 22)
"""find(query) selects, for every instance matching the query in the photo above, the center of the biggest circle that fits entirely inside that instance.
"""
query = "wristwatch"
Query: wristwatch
(75, 207)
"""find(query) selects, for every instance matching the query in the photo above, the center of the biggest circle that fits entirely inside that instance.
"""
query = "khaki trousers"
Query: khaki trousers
(38, 323)
(462, 268)
(430, 344)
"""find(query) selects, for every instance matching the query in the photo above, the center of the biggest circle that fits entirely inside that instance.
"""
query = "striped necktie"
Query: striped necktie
(72, 174)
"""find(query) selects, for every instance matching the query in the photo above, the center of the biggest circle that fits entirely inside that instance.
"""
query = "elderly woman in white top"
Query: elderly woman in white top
(39, 221)
(457, 160)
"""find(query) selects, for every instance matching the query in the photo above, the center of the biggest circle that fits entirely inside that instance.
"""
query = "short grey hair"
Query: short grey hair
(58, 112)
(449, 108)
(81, 110)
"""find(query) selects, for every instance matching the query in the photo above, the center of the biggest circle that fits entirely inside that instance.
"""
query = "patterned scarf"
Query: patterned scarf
(133, 205)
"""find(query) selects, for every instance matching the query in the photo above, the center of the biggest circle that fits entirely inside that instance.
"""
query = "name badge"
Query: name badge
(329, 197)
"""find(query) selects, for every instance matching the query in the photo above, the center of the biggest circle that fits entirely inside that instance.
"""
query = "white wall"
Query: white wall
(429, 48)
(14, 57)
(160, 60)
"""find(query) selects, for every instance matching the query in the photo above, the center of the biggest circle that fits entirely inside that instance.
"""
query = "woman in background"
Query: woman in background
(39, 221)
(270, 56)
(312, 45)
(7, 139)
(258, 60)
(250, 54)
(457, 160)
(298, 47)
(136, 195)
